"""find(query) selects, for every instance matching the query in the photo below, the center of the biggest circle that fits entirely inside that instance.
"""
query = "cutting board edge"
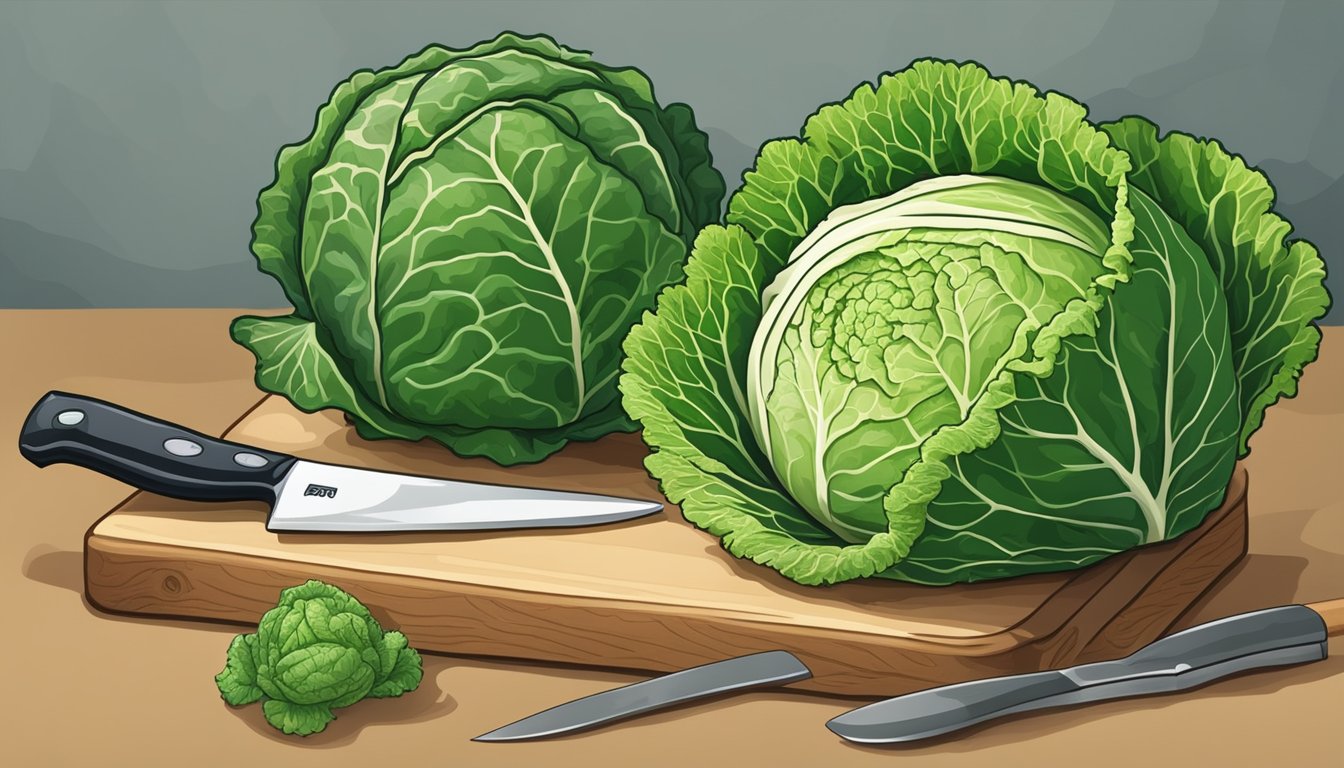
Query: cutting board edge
(843, 662)
(102, 546)
(1039, 626)
(887, 667)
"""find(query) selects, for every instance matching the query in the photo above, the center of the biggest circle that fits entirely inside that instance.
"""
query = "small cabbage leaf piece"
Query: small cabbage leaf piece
(957, 332)
(318, 650)
(467, 237)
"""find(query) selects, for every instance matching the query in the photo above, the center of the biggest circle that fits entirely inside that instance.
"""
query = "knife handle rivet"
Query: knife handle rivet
(69, 418)
(182, 447)
(245, 459)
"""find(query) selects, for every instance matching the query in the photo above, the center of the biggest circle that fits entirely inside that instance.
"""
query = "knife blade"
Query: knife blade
(736, 674)
(1289, 634)
(305, 496)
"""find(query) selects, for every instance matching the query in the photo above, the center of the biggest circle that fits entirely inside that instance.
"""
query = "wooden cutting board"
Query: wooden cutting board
(650, 594)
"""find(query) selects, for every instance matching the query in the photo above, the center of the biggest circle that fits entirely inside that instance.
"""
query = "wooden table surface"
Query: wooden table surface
(87, 688)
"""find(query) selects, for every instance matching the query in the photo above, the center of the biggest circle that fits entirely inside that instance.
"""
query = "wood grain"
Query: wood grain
(1182, 579)
(654, 594)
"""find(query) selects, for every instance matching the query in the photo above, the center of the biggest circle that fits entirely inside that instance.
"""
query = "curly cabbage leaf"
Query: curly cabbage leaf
(319, 649)
(467, 237)
(957, 332)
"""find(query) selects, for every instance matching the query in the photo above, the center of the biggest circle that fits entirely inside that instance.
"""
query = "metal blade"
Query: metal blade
(1288, 634)
(924, 714)
(332, 498)
(947, 708)
(758, 669)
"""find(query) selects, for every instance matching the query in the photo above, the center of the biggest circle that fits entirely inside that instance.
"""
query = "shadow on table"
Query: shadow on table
(1264, 580)
(55, 567)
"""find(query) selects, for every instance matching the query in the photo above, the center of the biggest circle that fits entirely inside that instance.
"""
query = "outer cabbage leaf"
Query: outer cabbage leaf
(933, 119)
(299, 719)
(469, 234)
(1130, 441)
(238, 680)
(1275, 288)
(401, 668)
(293, 360)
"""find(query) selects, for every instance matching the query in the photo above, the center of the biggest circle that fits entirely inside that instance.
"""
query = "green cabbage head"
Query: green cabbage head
(957, 332)
(466, 239)
(319, 649)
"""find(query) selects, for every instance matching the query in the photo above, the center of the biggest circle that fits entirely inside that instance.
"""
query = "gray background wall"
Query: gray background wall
(135, 136)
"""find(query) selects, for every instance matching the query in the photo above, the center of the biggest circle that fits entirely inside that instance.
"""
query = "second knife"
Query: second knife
(737, 674)
(1288, 634)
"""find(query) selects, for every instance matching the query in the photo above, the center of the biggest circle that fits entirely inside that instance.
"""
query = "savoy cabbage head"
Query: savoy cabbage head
(466, 239)
(956, 331)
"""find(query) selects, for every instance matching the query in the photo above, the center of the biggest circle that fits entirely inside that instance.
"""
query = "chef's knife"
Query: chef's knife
(1289, 634)
(304, 496)
(753, 671)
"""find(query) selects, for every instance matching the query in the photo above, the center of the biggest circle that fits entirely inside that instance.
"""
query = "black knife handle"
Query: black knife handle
(147, 453)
